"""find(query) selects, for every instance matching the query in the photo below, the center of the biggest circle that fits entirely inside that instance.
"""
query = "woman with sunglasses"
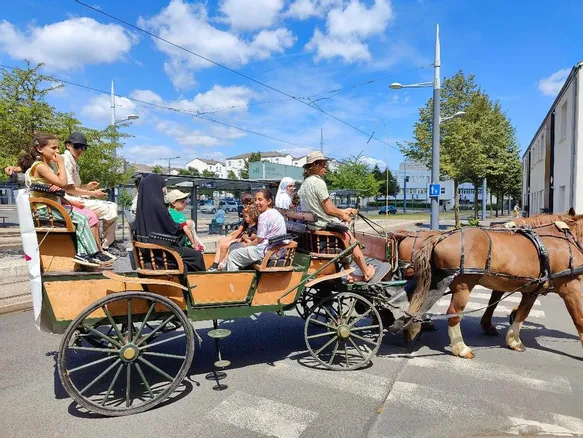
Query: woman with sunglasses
(315, 198)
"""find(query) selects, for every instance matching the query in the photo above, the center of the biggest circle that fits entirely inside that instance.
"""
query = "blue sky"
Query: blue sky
(520, 52)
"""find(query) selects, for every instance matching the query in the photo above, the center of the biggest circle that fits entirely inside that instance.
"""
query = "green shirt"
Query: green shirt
(312, 193)
(179, 218)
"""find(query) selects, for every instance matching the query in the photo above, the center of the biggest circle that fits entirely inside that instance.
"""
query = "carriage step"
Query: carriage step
(222, 363)
(219, 333)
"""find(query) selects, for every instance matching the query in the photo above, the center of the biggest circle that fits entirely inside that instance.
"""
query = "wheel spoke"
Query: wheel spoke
(156, 330)
(332, 317)
(357, 349)
(95, 349)
(144, 381)
(155, 368)
(113, 324)
(339, 302)
(346, 354)
(144, 322)
(315, 321)
(128, 383)
(351, 308)
(325, 346)
(360, 318)
(90, 364)
(363, 339)
(364, 327)
(321, 335)
(111, 385)
(163, 341)
(102, 336)
(334, 353)
(107, 370)
(130, 320)
(170, 356)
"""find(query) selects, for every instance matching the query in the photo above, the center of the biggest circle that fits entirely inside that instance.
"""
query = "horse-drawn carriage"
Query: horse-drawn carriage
(128, 341)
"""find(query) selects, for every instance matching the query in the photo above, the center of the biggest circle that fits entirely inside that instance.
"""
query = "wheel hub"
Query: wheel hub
(129, 353)
(343, 331)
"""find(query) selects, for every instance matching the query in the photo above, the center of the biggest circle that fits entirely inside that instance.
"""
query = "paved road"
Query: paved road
(274, 391)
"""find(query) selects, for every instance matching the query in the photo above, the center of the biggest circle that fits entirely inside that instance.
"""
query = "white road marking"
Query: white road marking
(493, 373)
(262, 415)
(515, 298)
(355, 382)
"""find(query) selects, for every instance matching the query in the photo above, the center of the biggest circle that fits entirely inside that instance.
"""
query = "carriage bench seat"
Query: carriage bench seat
(280, 258)
(156, 260)
(324, 244)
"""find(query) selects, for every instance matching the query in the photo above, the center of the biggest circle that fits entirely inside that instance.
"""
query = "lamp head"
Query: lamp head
(133, 117)
(396, 86)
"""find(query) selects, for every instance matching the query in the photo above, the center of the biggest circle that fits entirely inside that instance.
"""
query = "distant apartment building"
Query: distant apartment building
(214, 166)
(414, 179)
(237, 163)
(552, 165)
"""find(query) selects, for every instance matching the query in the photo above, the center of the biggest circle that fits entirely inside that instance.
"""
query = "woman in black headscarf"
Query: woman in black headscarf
(152, 216)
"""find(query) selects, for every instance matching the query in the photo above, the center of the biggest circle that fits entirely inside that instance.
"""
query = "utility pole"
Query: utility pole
(434, 222)
(405, 187)
(322, 140)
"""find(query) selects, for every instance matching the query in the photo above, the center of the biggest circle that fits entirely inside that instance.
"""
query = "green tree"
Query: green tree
(381, 177)
(354, 174)
(470, 148)
(208, 174)
(157, 169)
(254, 157)
(231, 175)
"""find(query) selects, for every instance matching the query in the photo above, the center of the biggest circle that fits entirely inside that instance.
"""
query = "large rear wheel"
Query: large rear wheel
(343, 331)
(126, 353)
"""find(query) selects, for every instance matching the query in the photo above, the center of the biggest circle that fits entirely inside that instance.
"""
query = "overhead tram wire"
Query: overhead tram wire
(249, 78)
(176, 110)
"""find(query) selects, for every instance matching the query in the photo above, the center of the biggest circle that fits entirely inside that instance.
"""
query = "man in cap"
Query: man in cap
(314, 197)
(106, 211)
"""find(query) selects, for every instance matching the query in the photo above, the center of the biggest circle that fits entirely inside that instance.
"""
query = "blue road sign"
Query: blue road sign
(434, 190)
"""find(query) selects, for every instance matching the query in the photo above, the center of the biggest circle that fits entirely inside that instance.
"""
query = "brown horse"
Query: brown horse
(501, 260)
(537, 221)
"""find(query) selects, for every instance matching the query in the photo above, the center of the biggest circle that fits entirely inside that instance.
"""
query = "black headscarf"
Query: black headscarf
(152, 215)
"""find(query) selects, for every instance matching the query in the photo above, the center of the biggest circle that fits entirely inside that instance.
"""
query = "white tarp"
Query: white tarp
(31, 252)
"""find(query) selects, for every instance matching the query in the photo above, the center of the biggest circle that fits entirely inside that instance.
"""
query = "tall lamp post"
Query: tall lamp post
(169, 159)
(434, 223)
(387, 172)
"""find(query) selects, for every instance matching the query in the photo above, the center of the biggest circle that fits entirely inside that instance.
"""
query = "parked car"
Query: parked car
(392, 209)
(208, 207)
(228, 205)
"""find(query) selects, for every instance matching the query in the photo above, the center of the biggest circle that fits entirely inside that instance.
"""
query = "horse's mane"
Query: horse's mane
(575, 222)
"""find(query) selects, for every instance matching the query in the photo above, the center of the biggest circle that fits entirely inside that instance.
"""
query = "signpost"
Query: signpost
(434, 190)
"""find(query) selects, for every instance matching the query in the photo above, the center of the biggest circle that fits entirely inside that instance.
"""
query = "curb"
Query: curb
(15, 297)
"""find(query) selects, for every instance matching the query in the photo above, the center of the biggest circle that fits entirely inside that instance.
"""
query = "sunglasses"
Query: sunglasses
(78, 146)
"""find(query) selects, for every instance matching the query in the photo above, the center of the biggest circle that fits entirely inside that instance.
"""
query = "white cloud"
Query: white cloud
(347, 27)
(552, 85)
(187, 25)
(304, 9)
(147, 96)
(98, 109)
(147, 154)
(251, 14)
(371, 162)
(185, 136)
(67, 44)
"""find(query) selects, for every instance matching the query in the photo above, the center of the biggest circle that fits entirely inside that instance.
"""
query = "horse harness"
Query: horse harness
(545, 280)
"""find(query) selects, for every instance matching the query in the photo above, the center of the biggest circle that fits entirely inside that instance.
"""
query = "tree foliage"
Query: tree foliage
(25, 111)
(479, 145)
(354, 174)
(381, 177)
(231, 175)
(157, 169)
(254, 157)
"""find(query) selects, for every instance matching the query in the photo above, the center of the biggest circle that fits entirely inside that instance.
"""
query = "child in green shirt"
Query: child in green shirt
(177, 203)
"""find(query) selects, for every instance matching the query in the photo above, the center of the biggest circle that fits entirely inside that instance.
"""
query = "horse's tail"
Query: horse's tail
(422, 263)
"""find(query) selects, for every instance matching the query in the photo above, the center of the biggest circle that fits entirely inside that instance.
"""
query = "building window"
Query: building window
(563, 126)
(443, 190)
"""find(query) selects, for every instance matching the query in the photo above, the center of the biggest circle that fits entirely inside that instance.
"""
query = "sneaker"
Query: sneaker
(101, 258)
(86, 260)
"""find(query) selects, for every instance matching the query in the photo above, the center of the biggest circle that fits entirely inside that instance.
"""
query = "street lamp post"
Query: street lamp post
(435, 173)
(169, 159)
(387, 175)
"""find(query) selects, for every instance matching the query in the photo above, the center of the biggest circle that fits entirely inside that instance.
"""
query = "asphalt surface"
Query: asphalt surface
(274, 389)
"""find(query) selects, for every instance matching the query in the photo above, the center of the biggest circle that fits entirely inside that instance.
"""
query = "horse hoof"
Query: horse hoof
(469, 355)
(490, 331)
(518, 347)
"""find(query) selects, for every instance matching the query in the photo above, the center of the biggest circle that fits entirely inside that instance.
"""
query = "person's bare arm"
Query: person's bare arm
(332, 210)
(189, 234)
(78, 191)
(10, 170)
(47, 174)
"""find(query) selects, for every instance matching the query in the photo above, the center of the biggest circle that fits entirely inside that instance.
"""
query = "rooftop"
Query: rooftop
(267, 154)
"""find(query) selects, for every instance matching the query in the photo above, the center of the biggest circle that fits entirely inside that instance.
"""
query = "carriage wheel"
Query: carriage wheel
(307, 301)
(126, 353)
(343, 332)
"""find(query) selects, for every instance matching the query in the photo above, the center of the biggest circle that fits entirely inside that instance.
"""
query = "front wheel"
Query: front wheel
(126, 353)
(343, 332)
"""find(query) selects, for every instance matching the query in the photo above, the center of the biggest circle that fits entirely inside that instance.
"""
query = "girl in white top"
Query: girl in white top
(284, 193)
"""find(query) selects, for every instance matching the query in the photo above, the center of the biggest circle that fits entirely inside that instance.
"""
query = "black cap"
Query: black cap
(77, 138)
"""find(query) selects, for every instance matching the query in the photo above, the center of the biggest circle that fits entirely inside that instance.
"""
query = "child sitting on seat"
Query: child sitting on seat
(244, 235)
(177, 203)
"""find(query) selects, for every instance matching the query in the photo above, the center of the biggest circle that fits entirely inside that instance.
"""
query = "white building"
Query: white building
(414, 179)
(214, 166)
(552, 165)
